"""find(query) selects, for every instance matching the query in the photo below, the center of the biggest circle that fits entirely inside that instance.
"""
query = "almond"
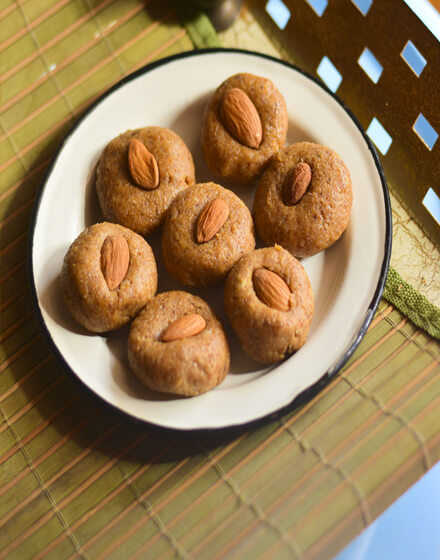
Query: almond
(186, 326)
(211, 219)
(115, 259)
(240, 118)
(271, 289)
(143, 165)
(296, 183)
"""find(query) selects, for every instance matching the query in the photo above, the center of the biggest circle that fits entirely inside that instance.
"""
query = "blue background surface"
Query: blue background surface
(408, 530)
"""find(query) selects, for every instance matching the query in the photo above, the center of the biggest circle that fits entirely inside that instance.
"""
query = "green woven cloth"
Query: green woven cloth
(412, 304)
(78, 480)
(198, 25)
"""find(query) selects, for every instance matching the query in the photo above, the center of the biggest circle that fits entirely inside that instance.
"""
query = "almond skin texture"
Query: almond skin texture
(143, 165)
(211, 219)
(115, 260)
(271, 289)
(185, 327)
(296, 184)
(241, 118)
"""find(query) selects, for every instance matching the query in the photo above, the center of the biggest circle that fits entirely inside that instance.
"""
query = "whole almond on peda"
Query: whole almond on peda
(240, 117)
(185, 327)
(115, 260)
(211, 219)
(142, 165)
(297, 182)
(271, 289)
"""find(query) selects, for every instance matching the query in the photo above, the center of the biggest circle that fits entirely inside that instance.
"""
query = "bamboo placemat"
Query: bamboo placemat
(78, 479)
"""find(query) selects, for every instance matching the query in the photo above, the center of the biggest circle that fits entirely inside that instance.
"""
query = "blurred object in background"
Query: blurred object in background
(222, 13)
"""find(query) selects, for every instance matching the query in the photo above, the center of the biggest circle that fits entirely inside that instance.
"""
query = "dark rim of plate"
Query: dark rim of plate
(314, 389)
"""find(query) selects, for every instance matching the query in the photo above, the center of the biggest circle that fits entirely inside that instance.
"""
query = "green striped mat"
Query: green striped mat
(78, 480)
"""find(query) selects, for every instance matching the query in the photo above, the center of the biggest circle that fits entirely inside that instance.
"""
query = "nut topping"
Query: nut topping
(271, 289)
(240, 118)
(115, 260)
(143, 165)
(211, 219)
(296, 184)
(185, 327)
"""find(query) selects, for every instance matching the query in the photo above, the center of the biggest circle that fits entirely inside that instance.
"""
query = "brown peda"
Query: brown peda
(123, 198)
(228, 157)
(197, 263)
(88, 297)
(268, 334)
(187, 366)
(321, 215)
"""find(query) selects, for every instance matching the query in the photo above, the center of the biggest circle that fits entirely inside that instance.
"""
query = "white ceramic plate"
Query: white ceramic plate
(347, 279)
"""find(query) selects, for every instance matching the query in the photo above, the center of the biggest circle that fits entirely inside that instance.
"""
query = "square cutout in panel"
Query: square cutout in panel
(379, 136)
(318, 6)
(363, 5)
(370, 65)
(432, 203)
(279, 12)
(412, 56)
(427, 13)
(329, 74)
(425, 131)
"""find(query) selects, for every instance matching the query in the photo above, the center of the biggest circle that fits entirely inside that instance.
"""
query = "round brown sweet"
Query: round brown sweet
(321, 215)
(84, 288)
(266, 334)
(226, 156)
(201, 264)
(188, 366)
(122, 201)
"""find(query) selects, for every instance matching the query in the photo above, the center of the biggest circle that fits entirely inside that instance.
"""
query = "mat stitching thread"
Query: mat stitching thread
(382, 311)
(422, 347)
(182, 553)
(19, 34)
(48, 452)
(105, 37)
(46, 65)
(36, 430)
(46, 490)
(54, 42)
(53, 129)
(292, 415)
(330, 465)
(32, 402)
(248, 501)
(380, 366)
(389, 412)
(18, 155)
